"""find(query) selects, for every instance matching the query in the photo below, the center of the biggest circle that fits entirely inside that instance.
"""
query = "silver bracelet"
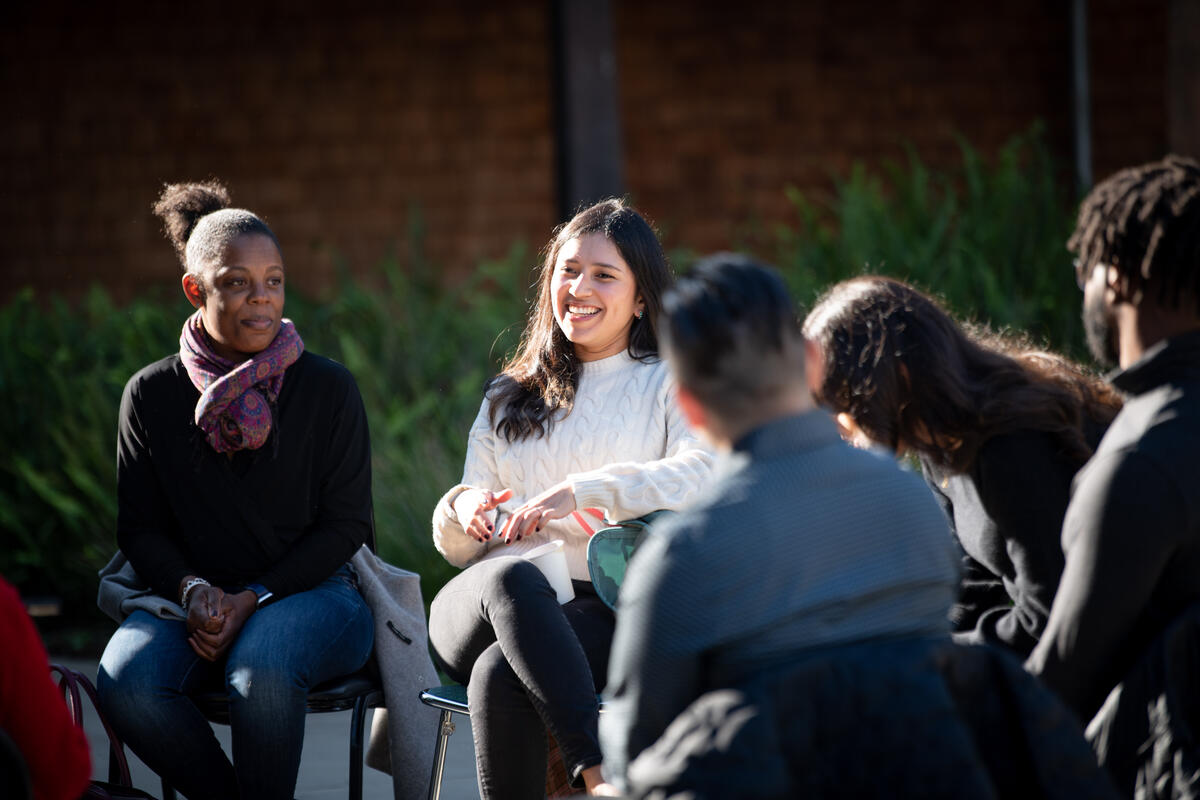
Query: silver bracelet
(187, 590)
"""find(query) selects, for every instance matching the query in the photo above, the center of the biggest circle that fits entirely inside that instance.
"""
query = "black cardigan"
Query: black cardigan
(1007, 515)
(286, 515)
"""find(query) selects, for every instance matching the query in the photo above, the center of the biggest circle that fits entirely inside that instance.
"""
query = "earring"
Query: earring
(641, 312)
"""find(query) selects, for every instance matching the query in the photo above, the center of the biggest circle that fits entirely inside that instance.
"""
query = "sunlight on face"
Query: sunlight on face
(243, 297)
(595, 296)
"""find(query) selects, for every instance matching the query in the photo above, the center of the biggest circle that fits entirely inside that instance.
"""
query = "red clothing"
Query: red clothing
(32, 710)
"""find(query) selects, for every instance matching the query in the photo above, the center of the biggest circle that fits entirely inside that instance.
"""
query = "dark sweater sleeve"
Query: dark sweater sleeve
(144, 515)
(342, 520)
(655, 669)
(1025, 485)
(1122, 528)
(979, 589)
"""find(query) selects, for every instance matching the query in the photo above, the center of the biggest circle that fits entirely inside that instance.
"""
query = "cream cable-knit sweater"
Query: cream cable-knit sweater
(624, 447)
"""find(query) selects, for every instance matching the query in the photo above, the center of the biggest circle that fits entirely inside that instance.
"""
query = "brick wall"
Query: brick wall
(336, 127)
(724, 104)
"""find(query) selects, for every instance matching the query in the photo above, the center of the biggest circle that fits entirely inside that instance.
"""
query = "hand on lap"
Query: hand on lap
(555, 503)
(472, 507)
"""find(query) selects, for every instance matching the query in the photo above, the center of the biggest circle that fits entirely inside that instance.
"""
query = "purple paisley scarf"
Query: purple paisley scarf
(236, 400)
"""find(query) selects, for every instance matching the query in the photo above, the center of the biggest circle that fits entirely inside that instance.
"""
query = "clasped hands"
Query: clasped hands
(473, 508)
(214, 619)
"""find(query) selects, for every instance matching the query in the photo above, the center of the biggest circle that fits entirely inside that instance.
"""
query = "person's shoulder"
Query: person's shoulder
(164, 372)
(1161, 426)
(683, 538)
(1016, 458)
(322, 370)
(1017, 445)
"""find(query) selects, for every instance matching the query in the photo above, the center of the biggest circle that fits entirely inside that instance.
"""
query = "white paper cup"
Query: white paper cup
(552, 561)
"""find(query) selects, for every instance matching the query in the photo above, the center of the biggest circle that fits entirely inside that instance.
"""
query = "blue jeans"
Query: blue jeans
(148, 671)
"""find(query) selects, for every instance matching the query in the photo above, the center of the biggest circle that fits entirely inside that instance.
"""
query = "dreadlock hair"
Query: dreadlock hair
(907, 373)
(539, 382)
(1145, 222)
(199, 222)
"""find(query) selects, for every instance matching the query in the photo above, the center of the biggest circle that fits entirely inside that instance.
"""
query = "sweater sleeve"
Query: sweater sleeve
(144, 516)
(1123, 526)
(1027, 504)
(627, 489)
(479, 471)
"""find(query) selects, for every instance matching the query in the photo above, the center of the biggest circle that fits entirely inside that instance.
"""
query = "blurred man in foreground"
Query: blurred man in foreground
(788, 636)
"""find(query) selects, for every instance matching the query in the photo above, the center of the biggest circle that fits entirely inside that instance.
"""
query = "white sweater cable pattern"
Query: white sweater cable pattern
(624, 447)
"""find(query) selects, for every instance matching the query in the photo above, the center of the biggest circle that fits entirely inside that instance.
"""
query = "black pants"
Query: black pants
(530, 665)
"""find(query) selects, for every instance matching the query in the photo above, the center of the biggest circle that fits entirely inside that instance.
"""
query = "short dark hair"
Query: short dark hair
(732, 334)
(199, 222)
(1145, 222)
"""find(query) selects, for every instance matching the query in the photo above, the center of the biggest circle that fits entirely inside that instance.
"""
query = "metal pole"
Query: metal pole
(586, 104)
(1081, 96)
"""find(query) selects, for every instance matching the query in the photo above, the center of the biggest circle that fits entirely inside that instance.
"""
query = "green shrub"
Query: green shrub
(989, 237)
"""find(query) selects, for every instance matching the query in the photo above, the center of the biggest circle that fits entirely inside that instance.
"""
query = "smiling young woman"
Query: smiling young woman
(581, 426)
(595, 297)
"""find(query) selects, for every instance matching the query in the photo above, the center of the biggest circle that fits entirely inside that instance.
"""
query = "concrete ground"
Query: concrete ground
(324, 767)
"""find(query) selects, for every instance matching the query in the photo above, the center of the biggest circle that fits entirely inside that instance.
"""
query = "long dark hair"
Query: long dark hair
(540, 380)
(907, 373)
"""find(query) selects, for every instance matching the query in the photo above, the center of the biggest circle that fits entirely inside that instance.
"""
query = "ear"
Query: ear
(1122, 286)
(193, 290)
(693, 411)
(849, 429)
(639, 307)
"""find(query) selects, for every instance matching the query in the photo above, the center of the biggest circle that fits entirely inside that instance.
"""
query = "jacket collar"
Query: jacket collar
(1172, 360)
(807, 431)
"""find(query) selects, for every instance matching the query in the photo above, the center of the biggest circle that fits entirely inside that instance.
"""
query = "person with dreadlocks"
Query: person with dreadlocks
(1127, 612)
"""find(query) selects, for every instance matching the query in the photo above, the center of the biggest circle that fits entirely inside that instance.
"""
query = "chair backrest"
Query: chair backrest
(609, 551)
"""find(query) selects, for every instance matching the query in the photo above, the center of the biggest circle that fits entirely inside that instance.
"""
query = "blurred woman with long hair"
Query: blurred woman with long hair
(1000, 430)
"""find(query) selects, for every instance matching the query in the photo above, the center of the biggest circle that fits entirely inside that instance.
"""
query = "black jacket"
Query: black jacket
(1132, 531)
(1007, 514)
(919, 718)
(286, 515)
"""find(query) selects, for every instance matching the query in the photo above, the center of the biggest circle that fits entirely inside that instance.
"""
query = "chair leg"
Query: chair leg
(357, 721)
(445, 728)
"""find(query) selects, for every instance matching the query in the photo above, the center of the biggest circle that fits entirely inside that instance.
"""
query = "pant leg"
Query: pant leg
(528, 664)
(283, 650)
(146, 675)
